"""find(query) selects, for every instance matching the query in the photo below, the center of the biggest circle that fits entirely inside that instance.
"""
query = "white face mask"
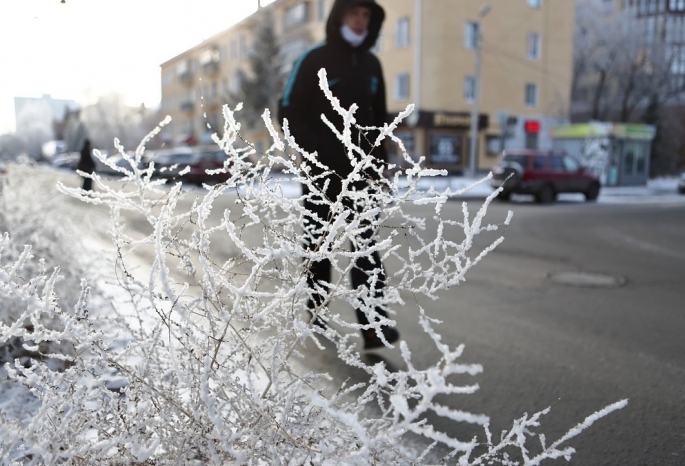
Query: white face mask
(354, 39)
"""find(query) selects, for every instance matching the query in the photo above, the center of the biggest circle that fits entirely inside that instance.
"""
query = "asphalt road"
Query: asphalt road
(575, 348)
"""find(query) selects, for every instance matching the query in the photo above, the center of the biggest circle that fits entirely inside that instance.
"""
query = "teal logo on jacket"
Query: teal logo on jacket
(374, 85)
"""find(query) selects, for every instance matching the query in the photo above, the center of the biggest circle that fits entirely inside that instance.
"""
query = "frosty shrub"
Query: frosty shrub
(209, 345)
(23, 214)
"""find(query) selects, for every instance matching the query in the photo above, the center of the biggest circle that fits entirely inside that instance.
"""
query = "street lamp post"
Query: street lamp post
(476, 92)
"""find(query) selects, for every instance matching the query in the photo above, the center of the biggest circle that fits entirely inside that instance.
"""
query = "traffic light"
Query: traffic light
(532, 126)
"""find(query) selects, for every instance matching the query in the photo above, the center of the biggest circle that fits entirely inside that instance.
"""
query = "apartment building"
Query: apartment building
(428, 51)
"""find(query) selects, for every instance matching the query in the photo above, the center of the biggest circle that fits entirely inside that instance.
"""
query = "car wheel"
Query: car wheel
(592, 192)
(512, 176)
(504, 196)
(546, 195)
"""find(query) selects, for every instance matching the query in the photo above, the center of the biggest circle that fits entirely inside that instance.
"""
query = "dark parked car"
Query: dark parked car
(3, 175)
(681, 183)
(189, 164)
(169, 163)
(67, 160)
(207, 158)
(119, 161)
(544, 175)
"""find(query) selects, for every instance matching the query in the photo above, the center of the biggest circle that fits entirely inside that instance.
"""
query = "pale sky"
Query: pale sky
(82, 49)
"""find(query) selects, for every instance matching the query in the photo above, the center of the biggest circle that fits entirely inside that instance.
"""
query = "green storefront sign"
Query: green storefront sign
(593, 130)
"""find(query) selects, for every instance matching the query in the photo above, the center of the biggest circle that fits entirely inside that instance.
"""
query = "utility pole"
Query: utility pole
(473, 146)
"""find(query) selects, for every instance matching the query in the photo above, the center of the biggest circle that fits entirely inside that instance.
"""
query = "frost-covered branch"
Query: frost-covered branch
(206, 348)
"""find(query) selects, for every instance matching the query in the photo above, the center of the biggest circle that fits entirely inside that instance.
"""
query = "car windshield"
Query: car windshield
(217, 155)
(513, 158)
(173, 158)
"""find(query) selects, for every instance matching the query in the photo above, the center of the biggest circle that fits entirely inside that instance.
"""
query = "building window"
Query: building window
(651, 29)
(677, 59)
(402, 86)
(676, 5)
(607, 7)
(469, 88)
(445, 148)
(634, 159)
(167, 77)
(321, 10)
(653, 6)
(182, 67)
(533, 46)
(295, 15)
(650, 7)
(531, 95)
(471, 35)
(234, 84)
(243, 47)
(234, 49)
(535, 3)
(402, 39)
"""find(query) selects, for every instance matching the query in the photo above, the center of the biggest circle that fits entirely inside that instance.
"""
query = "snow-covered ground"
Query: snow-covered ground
(463, 187)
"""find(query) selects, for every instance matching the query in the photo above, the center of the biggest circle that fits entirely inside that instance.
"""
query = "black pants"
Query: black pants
(361, 274)
(87, 184)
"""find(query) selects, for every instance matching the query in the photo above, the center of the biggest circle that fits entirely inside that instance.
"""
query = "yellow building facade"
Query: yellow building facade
(428, 52)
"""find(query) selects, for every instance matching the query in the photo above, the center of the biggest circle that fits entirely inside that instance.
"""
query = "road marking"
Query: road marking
(644, 245)
(586, 279)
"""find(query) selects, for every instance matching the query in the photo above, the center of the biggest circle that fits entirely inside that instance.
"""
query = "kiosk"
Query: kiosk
(618, 153)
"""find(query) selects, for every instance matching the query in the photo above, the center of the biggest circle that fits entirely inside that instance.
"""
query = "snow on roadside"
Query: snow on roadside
(35, 214)
(81, 247)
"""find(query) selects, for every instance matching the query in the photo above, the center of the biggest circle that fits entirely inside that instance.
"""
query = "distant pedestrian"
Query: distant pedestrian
(86, 164)
(354, 76)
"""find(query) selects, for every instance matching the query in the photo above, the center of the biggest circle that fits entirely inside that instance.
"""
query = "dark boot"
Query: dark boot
(371, 339)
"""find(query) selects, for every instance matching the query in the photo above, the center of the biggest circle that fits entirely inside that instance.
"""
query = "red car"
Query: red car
(207, 158)
(189, 164)
(544, 175)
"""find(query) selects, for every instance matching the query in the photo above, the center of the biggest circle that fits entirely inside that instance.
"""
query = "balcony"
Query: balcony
(209, 60)
(186, 77)
(210, 68)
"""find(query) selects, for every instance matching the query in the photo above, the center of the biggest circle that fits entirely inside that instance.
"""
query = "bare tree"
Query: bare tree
(111, 118)
(620, 62)
(262, 84)
(594, 59)
(34, 127)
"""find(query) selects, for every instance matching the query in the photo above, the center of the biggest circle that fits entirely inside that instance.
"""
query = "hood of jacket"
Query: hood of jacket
(335, 21)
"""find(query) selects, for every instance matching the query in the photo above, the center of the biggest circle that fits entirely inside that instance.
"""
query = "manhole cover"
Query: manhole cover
(586, 279)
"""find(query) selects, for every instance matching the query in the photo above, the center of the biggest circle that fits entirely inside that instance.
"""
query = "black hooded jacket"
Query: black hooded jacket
(354, 76)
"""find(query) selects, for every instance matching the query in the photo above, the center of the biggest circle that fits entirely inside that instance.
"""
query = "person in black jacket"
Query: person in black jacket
(86, 164)
(354, 76)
